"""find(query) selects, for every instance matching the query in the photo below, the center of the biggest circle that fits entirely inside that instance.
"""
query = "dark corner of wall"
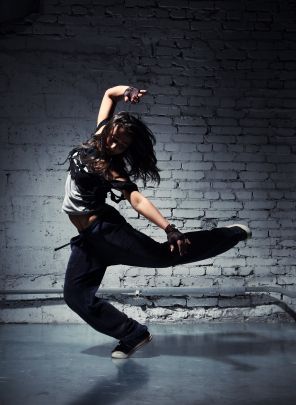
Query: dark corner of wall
(16, 10)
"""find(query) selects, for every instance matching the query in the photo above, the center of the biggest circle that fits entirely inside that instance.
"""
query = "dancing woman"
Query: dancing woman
(119, 152)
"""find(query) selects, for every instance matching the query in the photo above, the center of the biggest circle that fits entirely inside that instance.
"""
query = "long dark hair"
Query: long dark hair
(138, 161)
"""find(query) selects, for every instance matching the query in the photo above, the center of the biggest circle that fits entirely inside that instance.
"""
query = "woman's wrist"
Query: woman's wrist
(169, 228)
(117, 91)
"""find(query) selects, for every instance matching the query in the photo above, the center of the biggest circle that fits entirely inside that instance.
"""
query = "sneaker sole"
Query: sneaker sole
(121, 355)
(244, 228)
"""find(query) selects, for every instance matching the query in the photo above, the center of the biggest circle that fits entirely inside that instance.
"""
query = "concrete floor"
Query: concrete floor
(184, 364)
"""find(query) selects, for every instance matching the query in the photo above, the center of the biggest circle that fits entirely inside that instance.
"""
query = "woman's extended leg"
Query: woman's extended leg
(122, 244)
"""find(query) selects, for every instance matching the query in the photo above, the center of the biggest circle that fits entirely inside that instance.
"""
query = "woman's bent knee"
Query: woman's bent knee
(71, 296)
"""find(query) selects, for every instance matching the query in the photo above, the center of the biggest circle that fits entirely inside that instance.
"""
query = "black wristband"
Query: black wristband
(170, 228)
(130, 92)
(127, 91)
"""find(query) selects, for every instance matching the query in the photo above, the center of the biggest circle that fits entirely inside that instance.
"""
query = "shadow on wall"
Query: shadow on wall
(13, 10)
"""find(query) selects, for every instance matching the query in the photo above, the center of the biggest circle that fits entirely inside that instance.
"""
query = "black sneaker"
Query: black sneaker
(124, 350)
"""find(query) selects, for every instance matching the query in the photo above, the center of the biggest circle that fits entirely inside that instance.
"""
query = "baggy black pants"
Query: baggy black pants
(112, 241)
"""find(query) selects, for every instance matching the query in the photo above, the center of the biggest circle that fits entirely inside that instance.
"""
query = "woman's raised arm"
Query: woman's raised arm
(115, 94)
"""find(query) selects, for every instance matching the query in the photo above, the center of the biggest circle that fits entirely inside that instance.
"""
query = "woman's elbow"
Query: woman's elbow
(135, 199)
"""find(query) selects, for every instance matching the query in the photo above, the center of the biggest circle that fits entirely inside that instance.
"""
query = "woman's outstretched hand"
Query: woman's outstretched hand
(133, 94)
(177, 239)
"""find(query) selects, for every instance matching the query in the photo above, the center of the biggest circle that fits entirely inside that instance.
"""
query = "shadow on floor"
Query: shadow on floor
(131, 376)
(219, 347)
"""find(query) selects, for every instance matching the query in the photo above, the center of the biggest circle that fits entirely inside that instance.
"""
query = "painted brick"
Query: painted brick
(189, 174)
(225, 214)
(224, 127)
(187, 213)
(195, 194)
(225, 205)
(195, 204)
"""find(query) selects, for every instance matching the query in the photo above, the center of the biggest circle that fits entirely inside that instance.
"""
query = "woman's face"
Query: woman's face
(118, 141)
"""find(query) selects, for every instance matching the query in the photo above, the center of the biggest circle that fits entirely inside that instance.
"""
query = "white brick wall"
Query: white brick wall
(221, 102)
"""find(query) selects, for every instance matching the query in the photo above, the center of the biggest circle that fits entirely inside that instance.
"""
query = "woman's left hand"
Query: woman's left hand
(177, 239)
(133, 94)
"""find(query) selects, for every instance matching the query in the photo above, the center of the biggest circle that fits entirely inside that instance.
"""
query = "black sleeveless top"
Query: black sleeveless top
(92, 185)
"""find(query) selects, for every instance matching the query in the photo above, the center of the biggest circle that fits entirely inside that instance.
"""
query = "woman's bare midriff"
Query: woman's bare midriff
(82, 221)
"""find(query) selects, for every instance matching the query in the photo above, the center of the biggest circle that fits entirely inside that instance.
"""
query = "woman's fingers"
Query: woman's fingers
(183, 245)
(142, 92)
(133, 94)
(135, 99)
